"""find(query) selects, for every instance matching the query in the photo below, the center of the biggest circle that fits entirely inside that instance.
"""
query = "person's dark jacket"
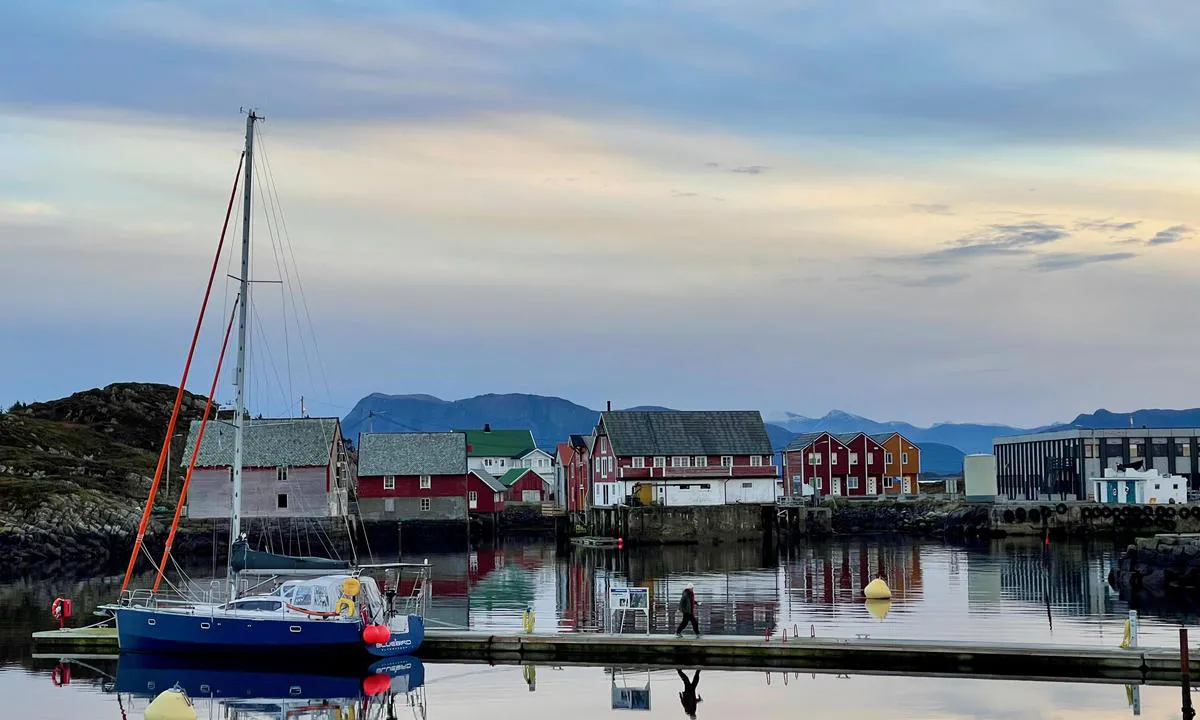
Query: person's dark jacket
(687, 602)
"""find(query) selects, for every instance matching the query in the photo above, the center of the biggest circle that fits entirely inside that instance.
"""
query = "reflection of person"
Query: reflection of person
(687, 606)
(688, 697)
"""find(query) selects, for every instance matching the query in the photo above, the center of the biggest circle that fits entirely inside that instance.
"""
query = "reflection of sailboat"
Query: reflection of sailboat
(333, 692)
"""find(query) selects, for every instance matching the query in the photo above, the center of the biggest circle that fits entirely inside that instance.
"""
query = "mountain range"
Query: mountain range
(552, 419)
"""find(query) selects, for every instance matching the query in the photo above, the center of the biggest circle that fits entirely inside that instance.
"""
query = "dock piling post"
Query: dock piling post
(1133, 628)
(1185, 684)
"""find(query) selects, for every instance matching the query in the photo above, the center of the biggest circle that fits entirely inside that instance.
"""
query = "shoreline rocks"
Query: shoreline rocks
(1159, 565)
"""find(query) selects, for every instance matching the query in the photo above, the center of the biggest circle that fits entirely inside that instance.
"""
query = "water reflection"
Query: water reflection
(688, 697)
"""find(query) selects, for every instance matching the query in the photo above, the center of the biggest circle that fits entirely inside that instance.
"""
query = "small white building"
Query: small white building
(1138, 487)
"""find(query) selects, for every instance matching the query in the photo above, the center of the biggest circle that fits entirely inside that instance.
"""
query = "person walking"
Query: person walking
(687, 606)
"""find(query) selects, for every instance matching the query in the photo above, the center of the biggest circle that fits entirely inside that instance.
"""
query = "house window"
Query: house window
(487, 462)
(818, 483)
(756, 461)
(660, 461)
(1183, 448)
(705, 486)
(472, 497)
(1156, 486)
(904, 458)
(887, 458)
(281, 501)
(870, 459)
(426, 482)
(281, 474)
(814, 458)
(888, 483)
(852, 483)
(700, 461)
(425, 503)
(833, 458)
(1135, 449)
(748, 485)
(1174, 486)
(853, 458)
(680, 461)
(608, 462)
(389, 505)
(639, 462)
(389, 482)
(495, 497)
(1089, 450)
(726, 461)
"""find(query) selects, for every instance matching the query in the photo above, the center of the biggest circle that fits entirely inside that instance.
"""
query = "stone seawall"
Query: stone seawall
(709, 524)
(1159, 565)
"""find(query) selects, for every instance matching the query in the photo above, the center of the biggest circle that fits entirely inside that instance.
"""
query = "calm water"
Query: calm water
(1009, 590)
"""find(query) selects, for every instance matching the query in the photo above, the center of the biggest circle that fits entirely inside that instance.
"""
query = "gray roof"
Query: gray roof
(418, 453)
(489, 479)
(677, 432)
(881, 438)
(266, 442)
(803, 440)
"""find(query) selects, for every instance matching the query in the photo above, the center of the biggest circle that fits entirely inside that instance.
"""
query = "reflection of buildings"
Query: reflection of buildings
(833, 574)
(733, 601)
(1071, 581)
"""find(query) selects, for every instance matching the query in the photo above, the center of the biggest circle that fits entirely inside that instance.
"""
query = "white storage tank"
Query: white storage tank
(979, 477)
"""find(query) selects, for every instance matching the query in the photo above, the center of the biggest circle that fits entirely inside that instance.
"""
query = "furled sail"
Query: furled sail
(243, 558)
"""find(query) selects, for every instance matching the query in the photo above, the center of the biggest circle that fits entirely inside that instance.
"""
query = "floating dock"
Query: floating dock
(948, 658)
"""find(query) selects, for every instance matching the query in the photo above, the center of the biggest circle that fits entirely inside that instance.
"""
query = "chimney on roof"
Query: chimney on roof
(487, 427)
(608, 405)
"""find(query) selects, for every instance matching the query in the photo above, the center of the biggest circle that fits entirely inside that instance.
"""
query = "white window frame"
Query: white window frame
(700, 461)
(660, 461)
(887, 457)
(639, 462)
(833, 458)
(903, 458)
(889, 482)
(814, 458)
(389, 482)
(726, 461)
(472, 496)
(870, 459)
(389, 505)
(680, 461)
(756, 461)
(852, 483)
(426, 482)
(426, 504)
(853, 458)
(281, 473)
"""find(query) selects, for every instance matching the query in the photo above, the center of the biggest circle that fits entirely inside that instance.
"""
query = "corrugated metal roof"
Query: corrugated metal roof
(489, 479)
(499, 443)
(511, 477)
(418, 453)
(680, 432)
(266, 442)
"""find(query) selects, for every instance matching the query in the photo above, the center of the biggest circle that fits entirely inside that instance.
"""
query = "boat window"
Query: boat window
(255, 605)
(303, 596)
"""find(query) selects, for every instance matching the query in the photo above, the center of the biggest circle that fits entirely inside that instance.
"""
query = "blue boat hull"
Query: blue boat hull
(144, 630)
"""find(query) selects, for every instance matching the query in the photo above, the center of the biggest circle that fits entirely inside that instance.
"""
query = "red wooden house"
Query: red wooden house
(412, 476)
(867, 464)
(820, 461)
(573, 473)
(523, 485)
(485, 493)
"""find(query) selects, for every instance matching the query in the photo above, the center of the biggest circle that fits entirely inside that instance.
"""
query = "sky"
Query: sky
(925, 211)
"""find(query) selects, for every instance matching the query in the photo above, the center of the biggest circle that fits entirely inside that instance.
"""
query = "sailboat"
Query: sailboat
(333, 606)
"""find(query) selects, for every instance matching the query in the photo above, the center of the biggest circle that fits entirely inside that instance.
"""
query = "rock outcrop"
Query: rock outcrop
(927, 519)
(1159, 565)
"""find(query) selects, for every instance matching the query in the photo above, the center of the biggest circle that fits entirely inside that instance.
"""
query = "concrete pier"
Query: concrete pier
(949, 658)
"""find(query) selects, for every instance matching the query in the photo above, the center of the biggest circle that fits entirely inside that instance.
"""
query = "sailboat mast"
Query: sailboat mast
(235, 520)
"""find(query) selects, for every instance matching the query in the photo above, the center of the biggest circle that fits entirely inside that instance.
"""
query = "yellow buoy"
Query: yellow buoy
(878, 608)
(173, 704)
(351, 586)
(877, 589)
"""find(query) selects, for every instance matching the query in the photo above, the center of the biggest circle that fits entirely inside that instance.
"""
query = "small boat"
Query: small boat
(335, 608)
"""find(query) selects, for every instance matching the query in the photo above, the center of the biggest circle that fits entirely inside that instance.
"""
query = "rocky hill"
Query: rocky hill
(74, 473)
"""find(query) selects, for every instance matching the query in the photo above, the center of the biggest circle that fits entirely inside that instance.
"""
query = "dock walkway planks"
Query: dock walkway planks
(1051, 662)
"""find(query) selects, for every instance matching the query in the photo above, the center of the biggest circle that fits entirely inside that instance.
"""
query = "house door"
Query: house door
(836, 486)
(872, 487)
(605, 494)
(1112, 491)
(908, 486)
(1131, 493)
